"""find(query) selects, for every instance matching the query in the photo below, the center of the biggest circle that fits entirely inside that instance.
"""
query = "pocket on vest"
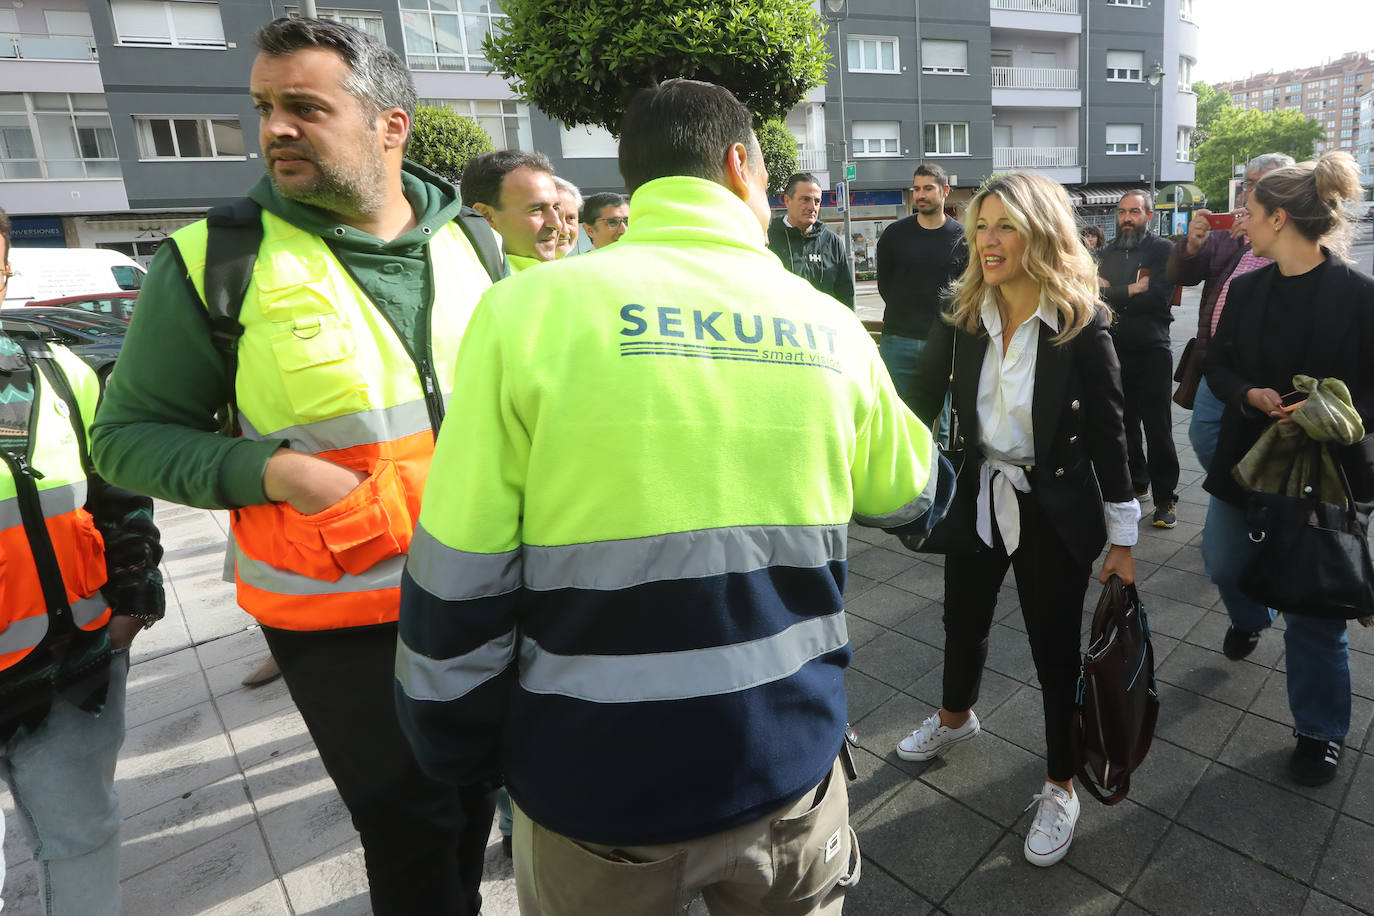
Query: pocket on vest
(320, 369)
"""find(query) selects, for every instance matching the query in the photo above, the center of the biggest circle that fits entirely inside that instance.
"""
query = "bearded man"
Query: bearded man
(1132, 272)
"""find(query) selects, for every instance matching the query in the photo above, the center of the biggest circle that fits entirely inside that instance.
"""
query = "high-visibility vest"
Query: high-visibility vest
(43, 518)
(320, 366)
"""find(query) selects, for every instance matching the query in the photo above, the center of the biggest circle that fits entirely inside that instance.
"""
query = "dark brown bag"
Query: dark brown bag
(1187, 375)
(1118, 701)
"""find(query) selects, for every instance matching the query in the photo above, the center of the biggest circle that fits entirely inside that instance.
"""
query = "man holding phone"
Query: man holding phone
(1215, 256)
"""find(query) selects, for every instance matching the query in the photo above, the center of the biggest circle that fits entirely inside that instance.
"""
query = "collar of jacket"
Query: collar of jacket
(812, 230)
(519, 262)
(679, 208)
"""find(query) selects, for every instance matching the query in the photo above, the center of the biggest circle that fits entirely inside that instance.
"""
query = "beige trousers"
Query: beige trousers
(795, 862)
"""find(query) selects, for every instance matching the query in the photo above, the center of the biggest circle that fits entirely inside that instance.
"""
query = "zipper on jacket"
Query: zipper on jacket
(423, 370)
(40, 542)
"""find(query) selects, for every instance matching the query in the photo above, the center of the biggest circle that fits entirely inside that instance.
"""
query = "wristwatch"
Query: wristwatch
(146, 619)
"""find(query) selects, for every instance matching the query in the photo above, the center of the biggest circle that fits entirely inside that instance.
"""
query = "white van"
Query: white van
(52, 273)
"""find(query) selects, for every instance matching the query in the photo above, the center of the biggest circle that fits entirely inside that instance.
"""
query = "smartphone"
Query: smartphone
(1220, 221)
(1292, 399)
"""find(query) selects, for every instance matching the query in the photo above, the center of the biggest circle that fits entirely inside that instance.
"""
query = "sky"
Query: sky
(1240, 37)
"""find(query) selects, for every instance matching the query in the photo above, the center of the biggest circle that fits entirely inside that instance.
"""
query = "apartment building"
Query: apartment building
(122, 120)
(1364, 141)
(1327, 93)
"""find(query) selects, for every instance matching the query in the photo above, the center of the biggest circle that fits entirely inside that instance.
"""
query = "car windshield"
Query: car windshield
(90, 325)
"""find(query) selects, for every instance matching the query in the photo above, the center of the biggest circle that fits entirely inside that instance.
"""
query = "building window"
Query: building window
(1125, 65)
(1123, 139)
(189, 138)
(875, 138)
(944, 56)
(872, 54)
(1185, 73)
(168, 23)
(945, 138)
(440, 37)
(56, 135)
(506, 122)
(588, 141)
(1137, 3)
(1184, 149)
(1185, 10)
(369, 21)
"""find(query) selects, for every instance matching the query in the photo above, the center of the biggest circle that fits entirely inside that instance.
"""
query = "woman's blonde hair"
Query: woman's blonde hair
(1055, 256)
(1313, 194)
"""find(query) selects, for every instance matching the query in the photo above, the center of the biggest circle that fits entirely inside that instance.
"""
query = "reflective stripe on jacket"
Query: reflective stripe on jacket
(320, 366)
(25, 617)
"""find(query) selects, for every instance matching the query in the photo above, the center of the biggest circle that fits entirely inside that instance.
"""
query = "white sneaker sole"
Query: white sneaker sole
(923, 756)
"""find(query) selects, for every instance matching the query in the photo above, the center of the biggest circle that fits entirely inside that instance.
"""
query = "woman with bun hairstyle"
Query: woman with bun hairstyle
(1308, 313)
(1036, 389)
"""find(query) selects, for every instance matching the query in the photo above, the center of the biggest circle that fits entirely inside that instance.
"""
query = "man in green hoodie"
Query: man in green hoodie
(359, 295)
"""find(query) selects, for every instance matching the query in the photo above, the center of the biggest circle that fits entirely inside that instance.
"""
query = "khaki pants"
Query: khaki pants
(794, 862)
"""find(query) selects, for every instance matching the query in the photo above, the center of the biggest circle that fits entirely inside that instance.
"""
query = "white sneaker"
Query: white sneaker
(1052, 831)
(932, 739)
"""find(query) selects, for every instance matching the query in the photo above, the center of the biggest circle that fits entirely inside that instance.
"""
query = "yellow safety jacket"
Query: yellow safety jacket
(45, 531)
(320, 366)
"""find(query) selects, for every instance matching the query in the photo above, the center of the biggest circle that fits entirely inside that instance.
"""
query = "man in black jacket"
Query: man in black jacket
(807, 246)
(1133, 276)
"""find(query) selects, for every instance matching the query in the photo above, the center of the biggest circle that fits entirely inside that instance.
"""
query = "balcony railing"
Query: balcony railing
(1034, 78)
(1034, 157)
(32, 46)
(1037, 6)
(811, 160)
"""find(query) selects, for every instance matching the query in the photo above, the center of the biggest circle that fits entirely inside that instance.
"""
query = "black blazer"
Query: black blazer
(1076, 417)
(1343, 332)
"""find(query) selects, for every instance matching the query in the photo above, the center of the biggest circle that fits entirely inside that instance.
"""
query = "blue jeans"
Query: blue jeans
(62, 779)
(901, 355)
(1318, 652)
(1205, 426)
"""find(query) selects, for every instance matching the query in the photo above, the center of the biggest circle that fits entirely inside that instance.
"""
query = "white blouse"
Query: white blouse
(1006, 388)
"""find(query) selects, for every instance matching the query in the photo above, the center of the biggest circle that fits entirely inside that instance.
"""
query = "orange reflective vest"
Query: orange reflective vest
(320, 366)
(46, 535)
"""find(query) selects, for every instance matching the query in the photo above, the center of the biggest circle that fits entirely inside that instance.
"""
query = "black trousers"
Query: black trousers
(1052, 586)
(1147, 381)
(423, 841)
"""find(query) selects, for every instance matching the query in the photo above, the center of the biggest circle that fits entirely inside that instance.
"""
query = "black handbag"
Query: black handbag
(1312, 557)
(1117, 700)
(940, 538)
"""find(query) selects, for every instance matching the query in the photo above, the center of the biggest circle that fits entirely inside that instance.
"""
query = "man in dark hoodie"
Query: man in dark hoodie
(360, 293)
(807, 246)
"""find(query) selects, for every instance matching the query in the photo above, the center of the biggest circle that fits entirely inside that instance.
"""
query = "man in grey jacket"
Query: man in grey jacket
(807, 246)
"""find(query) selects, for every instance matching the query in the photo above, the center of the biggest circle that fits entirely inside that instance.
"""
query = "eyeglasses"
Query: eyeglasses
(5, 274)
(1248, 184)
(614, 222)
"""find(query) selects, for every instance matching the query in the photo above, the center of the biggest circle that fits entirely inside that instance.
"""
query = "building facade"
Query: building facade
(122, 120)
(1364, 142)
(1328, 94)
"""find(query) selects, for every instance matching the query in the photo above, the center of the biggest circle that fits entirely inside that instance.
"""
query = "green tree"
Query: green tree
(443, 141)
(1210, 104)
(581, 62)
(1239, 135)
(779, 153)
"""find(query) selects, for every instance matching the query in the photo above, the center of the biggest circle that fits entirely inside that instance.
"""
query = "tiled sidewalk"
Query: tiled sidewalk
(228, 811)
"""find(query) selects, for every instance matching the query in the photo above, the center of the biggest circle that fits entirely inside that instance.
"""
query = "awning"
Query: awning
(1099, 195)
(167, 223)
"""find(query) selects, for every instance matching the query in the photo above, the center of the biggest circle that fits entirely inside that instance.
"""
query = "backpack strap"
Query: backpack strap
(483, 239)
(234, 236)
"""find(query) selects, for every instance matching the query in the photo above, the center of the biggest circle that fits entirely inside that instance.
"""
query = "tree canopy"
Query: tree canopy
(443, 141)
(581, 62)
(1210, 104)
(1238, 135)
(779, 154)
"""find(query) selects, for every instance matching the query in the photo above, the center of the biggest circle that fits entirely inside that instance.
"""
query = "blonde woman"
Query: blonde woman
(1037, 392)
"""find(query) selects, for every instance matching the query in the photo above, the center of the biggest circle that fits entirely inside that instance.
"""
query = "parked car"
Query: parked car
(95, 338)
(112, 305)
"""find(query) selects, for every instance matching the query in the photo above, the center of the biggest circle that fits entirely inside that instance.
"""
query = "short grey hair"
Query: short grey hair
(1267, 162)
(568, 187)
(377, 77)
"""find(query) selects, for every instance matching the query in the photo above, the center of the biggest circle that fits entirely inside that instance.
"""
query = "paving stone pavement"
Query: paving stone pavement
(227, 809)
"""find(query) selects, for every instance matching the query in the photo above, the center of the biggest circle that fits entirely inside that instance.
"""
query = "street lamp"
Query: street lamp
(1154, 77)
(837, 11)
